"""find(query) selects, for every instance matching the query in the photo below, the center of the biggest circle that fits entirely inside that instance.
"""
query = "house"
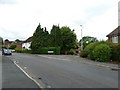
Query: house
(27, 43)
(19, 45)
(114, 36)
(8, 43)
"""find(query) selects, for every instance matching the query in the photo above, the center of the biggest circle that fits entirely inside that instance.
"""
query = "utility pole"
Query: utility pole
(81, 38)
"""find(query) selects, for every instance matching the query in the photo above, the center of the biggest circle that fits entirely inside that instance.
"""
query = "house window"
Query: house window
(115, 39)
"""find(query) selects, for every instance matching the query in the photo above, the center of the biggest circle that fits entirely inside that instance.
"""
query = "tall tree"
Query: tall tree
(56, 35)
(37, 39)
(68, 38)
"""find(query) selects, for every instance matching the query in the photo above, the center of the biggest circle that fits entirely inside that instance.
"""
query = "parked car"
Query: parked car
(6, 52)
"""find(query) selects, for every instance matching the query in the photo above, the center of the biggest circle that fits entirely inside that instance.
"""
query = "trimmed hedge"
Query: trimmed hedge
(23, 51)
(115, 52)
(44, 50)
(102, 52)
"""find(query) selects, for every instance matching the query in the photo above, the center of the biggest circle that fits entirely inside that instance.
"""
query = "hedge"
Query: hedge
(23, 51)
(102, 53)
(83, 54)
(88, 50)
(115, 52)
(44, 50)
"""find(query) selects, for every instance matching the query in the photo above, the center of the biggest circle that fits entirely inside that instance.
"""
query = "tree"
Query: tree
(68, 38)
(87, 40)
(39, 39)
(17, 40)
(55, 36)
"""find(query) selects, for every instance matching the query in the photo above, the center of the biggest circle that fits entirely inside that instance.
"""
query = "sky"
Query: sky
(19, 18)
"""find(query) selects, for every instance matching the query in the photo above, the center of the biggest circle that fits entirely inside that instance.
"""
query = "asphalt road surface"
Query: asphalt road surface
(60, 73)
(13, 77)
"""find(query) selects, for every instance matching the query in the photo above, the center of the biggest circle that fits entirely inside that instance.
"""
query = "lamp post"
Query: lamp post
(81, 38)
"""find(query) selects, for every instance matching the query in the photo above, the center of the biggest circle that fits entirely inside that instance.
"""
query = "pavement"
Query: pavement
(13, 77)
(76, 58)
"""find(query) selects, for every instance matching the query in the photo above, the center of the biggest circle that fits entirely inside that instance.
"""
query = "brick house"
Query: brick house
(114, 36)
(8, 43)
(19, 45)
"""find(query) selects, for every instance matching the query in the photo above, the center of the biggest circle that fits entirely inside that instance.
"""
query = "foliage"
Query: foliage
(68, 38)
(87, 40)
(44, 50)
(13, 46)
(115, 52)
(64, 37)
(89, 48)
(102, 52)
(71, 52)
(23, 51)
(39, 39)
(17, 40)
(4, 47)
(56, 36)
(83, 54)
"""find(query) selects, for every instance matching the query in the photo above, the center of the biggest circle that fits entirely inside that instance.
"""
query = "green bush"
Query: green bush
(115, 52)
(4, 47)
(23, 51)
(44, 50)
(71, 52)
(83, 54)
(102, 52)
(13, 46)
(89, 48)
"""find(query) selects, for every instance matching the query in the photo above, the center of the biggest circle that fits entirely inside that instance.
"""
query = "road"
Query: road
(65, 73)
(13, 77)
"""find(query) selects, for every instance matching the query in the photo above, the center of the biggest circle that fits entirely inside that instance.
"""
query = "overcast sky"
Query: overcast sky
(19, 18)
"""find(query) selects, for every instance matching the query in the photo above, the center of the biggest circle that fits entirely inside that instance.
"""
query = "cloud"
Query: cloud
(7, 2)
(21, 18)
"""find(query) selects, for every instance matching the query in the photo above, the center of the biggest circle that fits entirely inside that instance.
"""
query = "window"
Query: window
(115, 39)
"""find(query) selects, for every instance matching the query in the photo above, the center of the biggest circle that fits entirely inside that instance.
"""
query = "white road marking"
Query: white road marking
(40, 86)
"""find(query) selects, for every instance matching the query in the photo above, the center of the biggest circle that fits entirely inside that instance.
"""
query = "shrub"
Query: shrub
(13, 46)
(83, 54)
(44, 50)
(4, 47)
(89, 48)
(115, 52)
(23, 51)
(71, 51)
(102, 53)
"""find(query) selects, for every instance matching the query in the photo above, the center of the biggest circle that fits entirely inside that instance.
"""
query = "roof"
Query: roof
(28, 40)
(115, 32)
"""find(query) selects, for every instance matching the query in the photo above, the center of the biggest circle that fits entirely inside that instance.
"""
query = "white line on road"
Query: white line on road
(40, 86)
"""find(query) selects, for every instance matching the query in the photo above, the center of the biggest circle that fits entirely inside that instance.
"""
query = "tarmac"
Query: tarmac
(13, 77)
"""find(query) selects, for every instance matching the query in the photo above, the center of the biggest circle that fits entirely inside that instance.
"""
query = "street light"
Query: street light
(81, 38)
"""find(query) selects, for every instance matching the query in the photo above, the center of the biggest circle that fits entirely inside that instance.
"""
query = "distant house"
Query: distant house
(8, 43)
(114, 36)
(27, 43)
(19, 45)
